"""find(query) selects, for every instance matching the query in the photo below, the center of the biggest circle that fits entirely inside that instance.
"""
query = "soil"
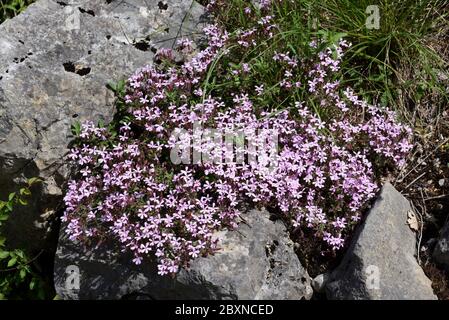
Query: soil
(427, 187)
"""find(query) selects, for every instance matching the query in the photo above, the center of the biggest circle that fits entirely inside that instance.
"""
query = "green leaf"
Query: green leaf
(121, 85)
(32, 284)
(111, 86)
(33, 180)
(118, 88)
(4, 254)
(20, 254)
(11, 262)
(9, 206)
(11, 196)
(337, 36)
(23, 273)
(10, 7)
(2, 241)
(23, 202)
(25, 192)
(76, 128)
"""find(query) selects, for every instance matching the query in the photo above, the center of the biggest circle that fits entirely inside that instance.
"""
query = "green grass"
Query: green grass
(11, 8)
(400, 62)
(295, 33)
(400, 65)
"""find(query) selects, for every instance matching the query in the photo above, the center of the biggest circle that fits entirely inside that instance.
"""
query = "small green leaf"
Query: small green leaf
(23, 273)
(121, 85)
(4, 254)
(111, 86)
(11, 196)
(9, 206)
(11, 262)
(25, 192)
(76, 128)
(32, 284)
(34, 180)
(20, 254)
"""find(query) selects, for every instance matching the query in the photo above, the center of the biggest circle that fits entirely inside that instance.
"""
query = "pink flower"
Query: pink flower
(322, 177)
(259, 89)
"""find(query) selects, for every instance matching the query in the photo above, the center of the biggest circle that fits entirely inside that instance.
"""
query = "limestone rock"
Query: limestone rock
(256, 261)
(381, 263)
(55, 61)
(319, 282)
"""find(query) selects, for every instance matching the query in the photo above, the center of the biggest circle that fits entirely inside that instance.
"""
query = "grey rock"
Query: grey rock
(256, 261)
(441, 251)
(319, 282)
(381, 263)
(55, 61)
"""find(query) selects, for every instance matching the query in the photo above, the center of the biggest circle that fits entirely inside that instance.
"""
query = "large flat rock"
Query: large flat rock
(55, 61)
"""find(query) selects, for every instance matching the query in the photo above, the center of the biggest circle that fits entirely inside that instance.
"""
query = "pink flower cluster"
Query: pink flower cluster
(127, 187)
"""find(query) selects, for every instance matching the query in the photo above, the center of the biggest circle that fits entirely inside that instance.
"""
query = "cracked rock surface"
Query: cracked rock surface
(55, 61)
(381, 262)
(257, 261)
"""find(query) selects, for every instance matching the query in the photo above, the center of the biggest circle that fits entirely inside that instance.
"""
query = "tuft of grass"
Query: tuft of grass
(11, 8)
(398, 63)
